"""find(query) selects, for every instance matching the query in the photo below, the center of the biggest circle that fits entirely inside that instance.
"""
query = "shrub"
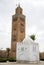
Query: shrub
(7, 59)
(42, 59)
(11, 59)
(3, 60)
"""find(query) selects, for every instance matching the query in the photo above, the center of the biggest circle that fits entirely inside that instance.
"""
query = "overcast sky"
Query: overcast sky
(34, 12)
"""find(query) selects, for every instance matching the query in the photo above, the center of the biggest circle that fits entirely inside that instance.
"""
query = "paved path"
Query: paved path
(14, 63)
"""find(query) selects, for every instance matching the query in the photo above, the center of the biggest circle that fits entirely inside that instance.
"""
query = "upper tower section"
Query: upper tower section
(19, 10)
(18, 14)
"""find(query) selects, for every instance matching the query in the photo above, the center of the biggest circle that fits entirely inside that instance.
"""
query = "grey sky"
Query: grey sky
(34, 11)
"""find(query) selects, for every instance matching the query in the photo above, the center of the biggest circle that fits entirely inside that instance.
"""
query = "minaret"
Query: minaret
(18, 29)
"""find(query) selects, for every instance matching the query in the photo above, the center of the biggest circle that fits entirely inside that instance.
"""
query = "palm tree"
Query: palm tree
(8, 50)
(32, 37)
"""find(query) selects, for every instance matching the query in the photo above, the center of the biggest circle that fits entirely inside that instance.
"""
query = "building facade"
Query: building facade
(18, 29)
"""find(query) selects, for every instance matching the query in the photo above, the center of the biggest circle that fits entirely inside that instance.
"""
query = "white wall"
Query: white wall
(27, 52)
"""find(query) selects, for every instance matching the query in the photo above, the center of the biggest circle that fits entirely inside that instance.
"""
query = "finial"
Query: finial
(19, 5)
(16, 4)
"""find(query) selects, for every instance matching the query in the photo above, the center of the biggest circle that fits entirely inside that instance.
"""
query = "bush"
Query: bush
(11, 59)
(3, 60)
(42, 59)
(7, 59)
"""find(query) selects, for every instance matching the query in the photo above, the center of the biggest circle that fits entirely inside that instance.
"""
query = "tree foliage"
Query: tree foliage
(8, 50)
(32, 37)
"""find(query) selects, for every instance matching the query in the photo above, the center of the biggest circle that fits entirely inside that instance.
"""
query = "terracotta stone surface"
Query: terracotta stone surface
(18, 29)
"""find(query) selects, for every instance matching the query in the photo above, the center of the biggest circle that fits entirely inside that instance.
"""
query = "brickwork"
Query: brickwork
(18, 29)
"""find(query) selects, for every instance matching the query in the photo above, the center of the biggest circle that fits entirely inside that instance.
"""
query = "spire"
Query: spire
(19, 9)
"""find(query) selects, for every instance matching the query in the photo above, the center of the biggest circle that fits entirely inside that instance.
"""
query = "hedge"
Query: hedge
(42, 59)
(11, 59)
(7, 59)
(3, 60)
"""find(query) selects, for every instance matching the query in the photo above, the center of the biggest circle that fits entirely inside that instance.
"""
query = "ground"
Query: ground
(14, 63)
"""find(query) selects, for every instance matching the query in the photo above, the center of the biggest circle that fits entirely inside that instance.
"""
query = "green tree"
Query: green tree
(8, 50)
(0, 53)
(32, 37)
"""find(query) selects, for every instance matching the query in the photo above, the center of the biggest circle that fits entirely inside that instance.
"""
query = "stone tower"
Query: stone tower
(18, 29)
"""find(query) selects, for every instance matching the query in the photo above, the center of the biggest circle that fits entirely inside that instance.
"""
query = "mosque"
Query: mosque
(23, 48)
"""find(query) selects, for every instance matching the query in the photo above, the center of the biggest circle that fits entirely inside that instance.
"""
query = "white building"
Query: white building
(27, 50)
